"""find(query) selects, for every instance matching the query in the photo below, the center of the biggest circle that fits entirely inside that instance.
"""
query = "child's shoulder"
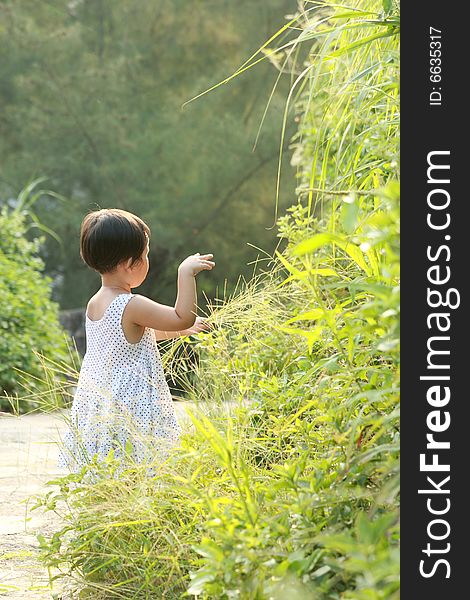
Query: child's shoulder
(91, 305)
(99, 303)
(92, 300)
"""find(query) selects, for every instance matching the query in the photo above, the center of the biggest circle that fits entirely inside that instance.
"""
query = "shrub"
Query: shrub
(29, 322)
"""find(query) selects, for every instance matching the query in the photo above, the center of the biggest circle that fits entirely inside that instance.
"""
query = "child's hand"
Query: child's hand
(195, 263)
(199, 325)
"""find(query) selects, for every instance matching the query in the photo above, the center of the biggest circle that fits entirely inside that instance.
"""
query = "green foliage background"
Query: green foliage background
(29, 319)
(92, 95)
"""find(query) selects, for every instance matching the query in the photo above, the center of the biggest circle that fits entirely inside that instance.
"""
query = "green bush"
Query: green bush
(316, 446)
(29, 322)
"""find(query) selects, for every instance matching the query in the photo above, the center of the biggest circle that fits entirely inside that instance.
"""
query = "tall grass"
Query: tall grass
(286, 483)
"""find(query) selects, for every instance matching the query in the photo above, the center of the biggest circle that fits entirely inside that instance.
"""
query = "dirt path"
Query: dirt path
(28, 455)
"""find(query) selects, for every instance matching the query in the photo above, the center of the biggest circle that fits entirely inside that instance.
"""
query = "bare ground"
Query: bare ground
(28, 455)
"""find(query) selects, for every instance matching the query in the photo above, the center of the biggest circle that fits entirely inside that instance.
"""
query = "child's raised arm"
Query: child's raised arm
(147, 313)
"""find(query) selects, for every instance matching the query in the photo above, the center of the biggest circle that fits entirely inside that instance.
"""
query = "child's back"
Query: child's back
(122, 395)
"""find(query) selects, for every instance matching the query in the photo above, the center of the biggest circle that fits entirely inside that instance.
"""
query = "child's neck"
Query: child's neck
(115, 282)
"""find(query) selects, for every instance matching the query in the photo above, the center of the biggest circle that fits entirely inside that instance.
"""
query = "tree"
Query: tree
(92, 95)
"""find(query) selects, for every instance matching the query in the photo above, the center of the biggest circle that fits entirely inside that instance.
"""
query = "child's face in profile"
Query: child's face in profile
(139, 270)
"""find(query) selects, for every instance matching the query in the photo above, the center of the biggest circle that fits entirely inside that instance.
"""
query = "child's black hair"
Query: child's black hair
(111, 236)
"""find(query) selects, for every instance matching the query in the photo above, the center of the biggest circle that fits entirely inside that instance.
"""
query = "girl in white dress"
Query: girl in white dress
(122, 401)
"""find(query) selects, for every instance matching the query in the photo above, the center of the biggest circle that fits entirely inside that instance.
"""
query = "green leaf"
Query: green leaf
(311, 315)
(349, 215)
(198, 582)
(323, 239)
(359, 43)
(312, 244)
(325, 272)
(209, 549)
(387, 6)
(296, 272)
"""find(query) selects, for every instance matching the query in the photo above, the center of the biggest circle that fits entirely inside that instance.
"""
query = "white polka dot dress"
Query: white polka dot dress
(122, 400)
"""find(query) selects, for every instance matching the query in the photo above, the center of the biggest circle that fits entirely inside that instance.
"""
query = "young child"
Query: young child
(122, 400)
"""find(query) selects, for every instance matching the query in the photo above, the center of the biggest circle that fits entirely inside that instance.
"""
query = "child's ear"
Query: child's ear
(129, 265)
(125, 264)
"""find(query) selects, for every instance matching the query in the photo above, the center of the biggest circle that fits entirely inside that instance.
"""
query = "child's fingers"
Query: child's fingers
(207, 264)
(200, 325)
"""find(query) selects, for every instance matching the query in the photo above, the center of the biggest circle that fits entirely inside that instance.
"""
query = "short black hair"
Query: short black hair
(110, 236)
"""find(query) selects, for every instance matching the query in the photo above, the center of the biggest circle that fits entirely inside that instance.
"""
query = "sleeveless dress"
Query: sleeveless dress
(122, 400)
